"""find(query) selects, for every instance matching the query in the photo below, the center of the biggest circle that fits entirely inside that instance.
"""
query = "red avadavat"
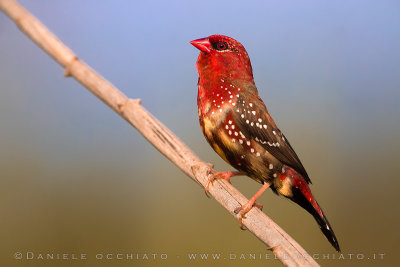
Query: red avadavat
(239, 128)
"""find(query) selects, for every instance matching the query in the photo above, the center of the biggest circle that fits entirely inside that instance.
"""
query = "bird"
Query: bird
(237, 125)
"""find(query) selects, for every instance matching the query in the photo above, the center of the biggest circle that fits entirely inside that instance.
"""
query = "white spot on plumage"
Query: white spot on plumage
(271, 166)
(220, 110)
(274, 132)
(252, 150)
(230, 122)
(259, 119)
(252, 123)
(275, 175)
(258, 154)
(230, 132)
(233, 140)
(254, 113)
(231, 96)
(242, 116)
(251, 104)
(240, 141)
(248, 143)
(247, 121)
(265, 126)
(226, 127)
(236, 133)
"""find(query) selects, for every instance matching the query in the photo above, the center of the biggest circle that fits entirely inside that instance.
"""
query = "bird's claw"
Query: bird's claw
(243, 210)
(217, 175)
(210, 181)
(241, 216)
(258, 205)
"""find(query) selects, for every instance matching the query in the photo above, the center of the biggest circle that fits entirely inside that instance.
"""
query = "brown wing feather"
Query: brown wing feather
(256, 123)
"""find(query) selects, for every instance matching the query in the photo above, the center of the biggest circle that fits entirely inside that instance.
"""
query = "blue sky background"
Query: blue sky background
(77, 177)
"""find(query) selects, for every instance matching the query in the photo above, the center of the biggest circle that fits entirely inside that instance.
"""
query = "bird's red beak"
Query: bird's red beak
(202, 44)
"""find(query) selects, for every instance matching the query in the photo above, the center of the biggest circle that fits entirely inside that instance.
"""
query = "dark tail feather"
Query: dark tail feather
(300, 197)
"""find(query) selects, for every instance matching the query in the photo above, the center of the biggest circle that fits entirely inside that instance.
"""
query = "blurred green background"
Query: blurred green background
(77, 179)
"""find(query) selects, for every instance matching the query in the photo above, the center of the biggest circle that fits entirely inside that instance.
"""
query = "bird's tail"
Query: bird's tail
(300, 193)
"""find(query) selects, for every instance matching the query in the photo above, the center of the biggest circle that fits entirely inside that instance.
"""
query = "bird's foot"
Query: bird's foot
(219, 175)
(243, 210)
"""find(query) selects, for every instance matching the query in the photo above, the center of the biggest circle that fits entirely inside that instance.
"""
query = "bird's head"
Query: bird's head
(222, 57)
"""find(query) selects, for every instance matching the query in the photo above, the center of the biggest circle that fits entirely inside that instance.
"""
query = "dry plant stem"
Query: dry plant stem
(287, 250)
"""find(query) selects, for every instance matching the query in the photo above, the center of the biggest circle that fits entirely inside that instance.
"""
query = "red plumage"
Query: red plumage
(238, 126)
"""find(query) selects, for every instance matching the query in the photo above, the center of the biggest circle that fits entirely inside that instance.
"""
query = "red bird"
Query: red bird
(237, 125)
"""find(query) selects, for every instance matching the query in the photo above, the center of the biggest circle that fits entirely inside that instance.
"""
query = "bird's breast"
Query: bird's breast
(232, 145)
(218, 116)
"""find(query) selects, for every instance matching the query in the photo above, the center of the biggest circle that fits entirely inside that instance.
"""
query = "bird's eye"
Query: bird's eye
(221, 46)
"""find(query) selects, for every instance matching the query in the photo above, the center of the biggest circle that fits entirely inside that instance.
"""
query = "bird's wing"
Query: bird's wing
(256, 123)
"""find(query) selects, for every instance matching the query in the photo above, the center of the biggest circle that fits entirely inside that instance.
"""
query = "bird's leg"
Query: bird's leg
(252, 202)
(220, 175)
